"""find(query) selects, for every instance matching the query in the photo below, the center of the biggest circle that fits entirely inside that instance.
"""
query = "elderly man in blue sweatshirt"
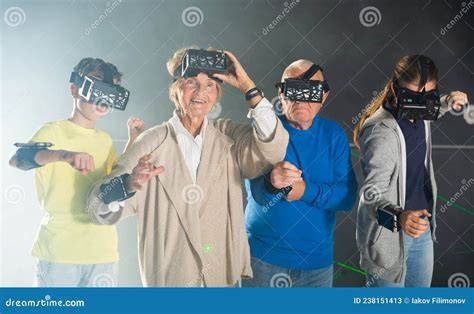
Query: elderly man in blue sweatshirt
(291, 211)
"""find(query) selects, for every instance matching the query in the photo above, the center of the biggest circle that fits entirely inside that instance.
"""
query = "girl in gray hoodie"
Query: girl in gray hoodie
(399, 187)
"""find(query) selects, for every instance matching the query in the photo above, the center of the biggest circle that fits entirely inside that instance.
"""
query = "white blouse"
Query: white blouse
(264, 119)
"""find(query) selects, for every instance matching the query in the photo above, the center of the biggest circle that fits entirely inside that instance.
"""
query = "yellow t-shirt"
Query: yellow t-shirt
(66, 234)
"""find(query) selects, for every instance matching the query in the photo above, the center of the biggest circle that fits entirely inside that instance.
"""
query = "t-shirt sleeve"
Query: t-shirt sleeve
(45, 134)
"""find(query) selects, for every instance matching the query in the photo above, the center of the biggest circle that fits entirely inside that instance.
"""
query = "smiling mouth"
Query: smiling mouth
(197, 101)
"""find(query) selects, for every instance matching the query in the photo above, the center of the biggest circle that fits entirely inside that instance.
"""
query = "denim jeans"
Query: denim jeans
(50, 274)
(419, 260)
(266, 275)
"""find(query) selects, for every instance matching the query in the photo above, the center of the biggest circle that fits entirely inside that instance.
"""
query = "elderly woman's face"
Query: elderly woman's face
(197, 95)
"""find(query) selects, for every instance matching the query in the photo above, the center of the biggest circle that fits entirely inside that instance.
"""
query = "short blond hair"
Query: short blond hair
(172, 65)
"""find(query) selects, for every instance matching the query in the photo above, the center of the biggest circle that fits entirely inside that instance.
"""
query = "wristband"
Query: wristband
(25, 155)
(253, 92)
(115, 190)
(273, 190)
(389, 217)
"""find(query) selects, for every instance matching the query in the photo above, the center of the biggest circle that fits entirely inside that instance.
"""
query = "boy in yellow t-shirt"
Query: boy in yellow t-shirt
(71, 251)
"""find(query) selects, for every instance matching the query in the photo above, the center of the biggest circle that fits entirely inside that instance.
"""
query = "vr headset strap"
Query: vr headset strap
(311, 71)
(76, 79)
(425, 68)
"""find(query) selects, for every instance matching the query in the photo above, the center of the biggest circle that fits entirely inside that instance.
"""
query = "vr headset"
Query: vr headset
(101, 93)
(197, 61)
(304, 89)
(418, 105)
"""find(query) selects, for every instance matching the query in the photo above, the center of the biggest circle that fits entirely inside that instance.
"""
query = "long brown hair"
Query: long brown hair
(407, 70)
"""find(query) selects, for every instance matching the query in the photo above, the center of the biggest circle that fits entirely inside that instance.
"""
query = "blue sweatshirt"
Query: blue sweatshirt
(299, 234)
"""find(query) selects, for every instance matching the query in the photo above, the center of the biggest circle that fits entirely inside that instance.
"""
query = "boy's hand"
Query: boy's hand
(142, 172)
(135, 127)
(82, 162)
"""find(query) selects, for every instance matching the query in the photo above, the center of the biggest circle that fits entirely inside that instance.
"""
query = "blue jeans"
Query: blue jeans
(266, 275)
(419, 260)
(50, 274)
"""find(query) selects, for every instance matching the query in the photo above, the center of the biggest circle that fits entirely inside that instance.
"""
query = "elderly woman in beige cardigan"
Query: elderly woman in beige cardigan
(182, 179)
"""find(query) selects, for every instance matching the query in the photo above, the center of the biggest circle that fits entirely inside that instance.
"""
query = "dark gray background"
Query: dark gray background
(38, 54)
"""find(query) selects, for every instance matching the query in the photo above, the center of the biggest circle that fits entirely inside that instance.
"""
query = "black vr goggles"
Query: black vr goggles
(304, 89)
(418, 105)
(101, 93)
(197, 61)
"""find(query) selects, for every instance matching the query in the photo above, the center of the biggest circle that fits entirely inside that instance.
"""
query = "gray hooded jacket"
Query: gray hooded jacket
(383, 162)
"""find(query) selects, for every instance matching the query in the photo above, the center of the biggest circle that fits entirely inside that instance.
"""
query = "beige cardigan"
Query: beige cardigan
(193, 235)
